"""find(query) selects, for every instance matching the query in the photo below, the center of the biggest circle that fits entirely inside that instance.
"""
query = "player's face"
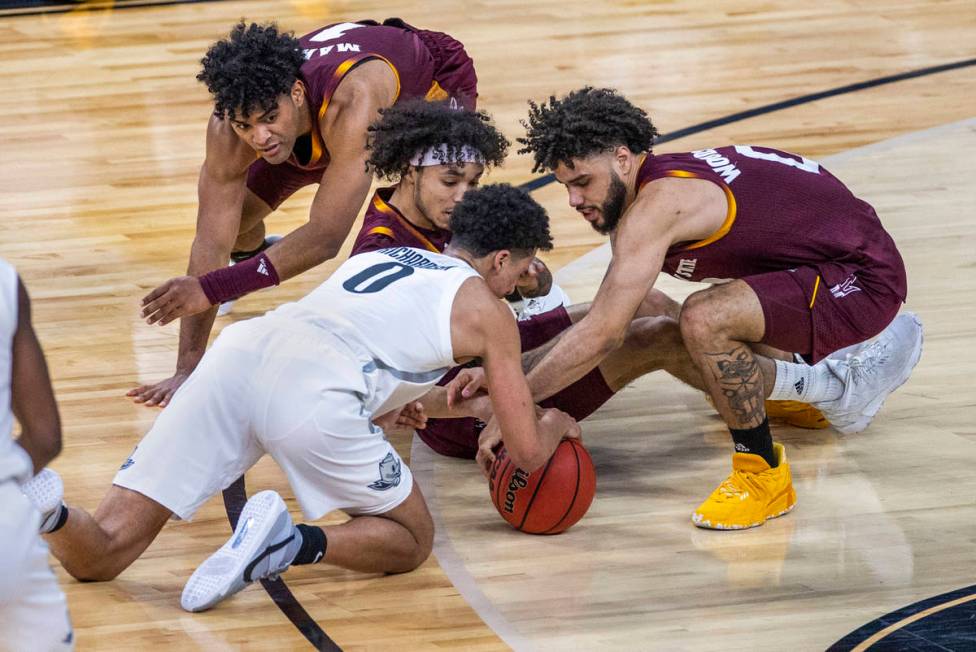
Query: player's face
(438, 189)
(272, 133)
(595, 190)
(506, 270)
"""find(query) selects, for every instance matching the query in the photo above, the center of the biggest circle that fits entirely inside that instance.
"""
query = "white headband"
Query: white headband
(440, 155)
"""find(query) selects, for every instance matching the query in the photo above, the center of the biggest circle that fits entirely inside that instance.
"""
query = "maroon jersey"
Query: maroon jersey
(332, 51)
(785, 212)
(384, 226)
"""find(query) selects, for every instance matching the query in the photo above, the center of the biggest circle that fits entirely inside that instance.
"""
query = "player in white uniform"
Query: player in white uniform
(33, 611)
(305, 383)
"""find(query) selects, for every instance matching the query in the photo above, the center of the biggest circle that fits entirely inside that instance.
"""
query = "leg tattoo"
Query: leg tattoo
(741, 382)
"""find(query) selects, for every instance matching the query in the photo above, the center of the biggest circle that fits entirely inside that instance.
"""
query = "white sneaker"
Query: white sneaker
(227, 306)
(46, 491)
(873, 372)
(258, 548)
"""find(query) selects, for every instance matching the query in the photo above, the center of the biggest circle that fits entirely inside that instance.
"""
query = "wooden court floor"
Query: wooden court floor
(99, 154)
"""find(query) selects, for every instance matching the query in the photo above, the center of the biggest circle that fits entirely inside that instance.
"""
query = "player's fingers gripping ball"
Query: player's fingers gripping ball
(551, 499)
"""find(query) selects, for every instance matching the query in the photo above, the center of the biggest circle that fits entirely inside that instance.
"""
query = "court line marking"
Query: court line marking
(901, 624)
(107, 5)
(234, 498)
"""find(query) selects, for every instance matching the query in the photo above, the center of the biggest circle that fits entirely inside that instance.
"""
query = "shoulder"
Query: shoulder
(370, 85)
(372, 238)
(677, 208)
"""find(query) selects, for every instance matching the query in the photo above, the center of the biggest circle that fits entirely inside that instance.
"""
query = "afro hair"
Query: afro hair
(586, 121)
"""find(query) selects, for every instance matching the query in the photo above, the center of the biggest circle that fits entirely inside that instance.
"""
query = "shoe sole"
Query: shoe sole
(222, 574)
(875, 406)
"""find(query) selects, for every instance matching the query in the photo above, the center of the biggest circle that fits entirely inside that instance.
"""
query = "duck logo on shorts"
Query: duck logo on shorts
(389, 473)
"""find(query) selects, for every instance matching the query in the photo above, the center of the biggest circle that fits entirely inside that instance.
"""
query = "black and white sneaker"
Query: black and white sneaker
(263, 545)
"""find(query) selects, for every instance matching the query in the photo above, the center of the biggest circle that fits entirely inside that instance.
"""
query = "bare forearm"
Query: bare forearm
(571, 358)
(436, 406)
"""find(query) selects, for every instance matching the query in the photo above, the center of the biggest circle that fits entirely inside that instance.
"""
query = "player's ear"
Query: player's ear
(501, 258)
(298, 92)
(624, 158)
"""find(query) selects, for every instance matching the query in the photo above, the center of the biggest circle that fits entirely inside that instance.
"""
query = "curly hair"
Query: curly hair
(416, 125)
(251, 68)
(586, 121)
(499, 216)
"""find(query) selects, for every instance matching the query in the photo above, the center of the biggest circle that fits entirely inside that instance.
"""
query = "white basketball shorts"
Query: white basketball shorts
(264, 387)
(33, 611)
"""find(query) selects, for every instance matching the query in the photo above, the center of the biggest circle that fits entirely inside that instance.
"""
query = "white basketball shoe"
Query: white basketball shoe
(227, 306)
(263, 545)
(871, 372)
(46, 491)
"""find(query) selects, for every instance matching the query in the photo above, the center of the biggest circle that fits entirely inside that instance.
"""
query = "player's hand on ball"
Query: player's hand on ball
(159, 393)
(177, 297)
(465, 385)
(561, 422)
(489, 438)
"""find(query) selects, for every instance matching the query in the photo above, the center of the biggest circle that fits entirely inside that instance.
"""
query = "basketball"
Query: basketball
(551, 499)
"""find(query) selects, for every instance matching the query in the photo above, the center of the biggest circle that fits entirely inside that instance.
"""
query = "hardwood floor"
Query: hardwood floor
(99, 155)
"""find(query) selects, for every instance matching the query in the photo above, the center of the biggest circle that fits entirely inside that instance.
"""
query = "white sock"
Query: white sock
(801, 382)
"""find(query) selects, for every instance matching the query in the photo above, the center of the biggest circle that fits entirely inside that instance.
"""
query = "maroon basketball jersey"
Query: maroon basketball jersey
(785, 211)
(384, 226)
(332, 51)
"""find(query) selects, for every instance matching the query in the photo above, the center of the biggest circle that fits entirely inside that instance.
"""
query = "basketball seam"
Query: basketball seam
(528, 508)
(501, 474)
(572, 503)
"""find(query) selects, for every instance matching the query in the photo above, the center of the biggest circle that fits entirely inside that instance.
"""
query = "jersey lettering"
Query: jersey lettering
(387, 273)
(335, 32)
(804, 164)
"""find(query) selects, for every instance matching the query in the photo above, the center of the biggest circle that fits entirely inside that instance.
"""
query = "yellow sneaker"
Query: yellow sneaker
(753, 493)
(795, 413)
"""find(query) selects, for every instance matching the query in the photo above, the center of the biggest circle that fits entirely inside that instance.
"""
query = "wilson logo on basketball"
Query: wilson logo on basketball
(551, 498)
(519, 480)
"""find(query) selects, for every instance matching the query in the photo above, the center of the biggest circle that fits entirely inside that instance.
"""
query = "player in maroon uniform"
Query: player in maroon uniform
(799, 265)
(436, 155)
(288, 113)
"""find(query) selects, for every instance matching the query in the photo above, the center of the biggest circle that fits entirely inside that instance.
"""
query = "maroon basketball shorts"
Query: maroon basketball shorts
(808, 314)
(459, 437)
(453, 68)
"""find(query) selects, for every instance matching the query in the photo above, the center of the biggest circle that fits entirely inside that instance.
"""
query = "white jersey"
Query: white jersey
(392, 309)
(11, 461)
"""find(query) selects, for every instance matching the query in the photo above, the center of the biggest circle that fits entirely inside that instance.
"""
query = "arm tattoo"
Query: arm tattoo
(741, 382)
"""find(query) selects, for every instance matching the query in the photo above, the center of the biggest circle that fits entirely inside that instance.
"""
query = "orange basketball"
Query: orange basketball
(549, 500)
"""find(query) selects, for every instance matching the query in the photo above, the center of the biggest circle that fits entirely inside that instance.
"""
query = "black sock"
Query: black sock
(313, 545)
(62, 519)
(241, 256)
(757, 441)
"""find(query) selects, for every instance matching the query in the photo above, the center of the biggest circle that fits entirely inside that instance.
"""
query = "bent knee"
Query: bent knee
(95, 570)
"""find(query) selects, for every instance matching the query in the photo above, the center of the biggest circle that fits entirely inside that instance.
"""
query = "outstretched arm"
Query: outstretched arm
(640, 244)
(32, 397)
